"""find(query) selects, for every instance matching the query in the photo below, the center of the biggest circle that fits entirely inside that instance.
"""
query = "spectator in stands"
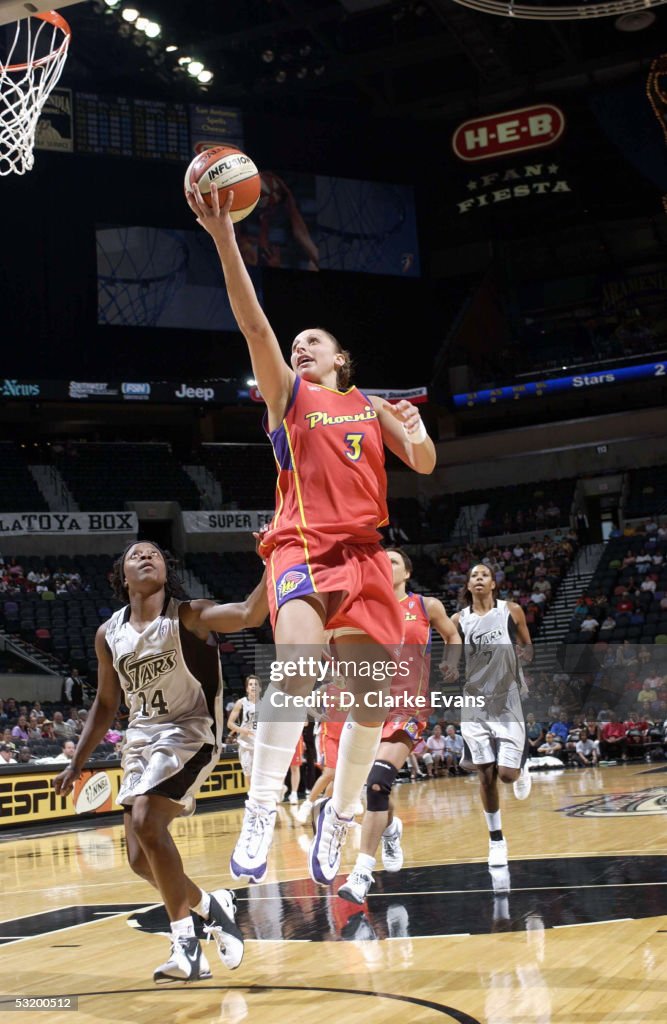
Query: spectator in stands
(24, 755)
(67, 752)
(20, 730)
(612, 738)
(33, 727)
(115, 733)
(534, 734)
(607, 628)
(645, 697)
(589, 625)
(561, 728)
(453, 749)
(6, 754)
(433, 756)
(72, 692)
(551, 747)
(61, 729)
(586, 750)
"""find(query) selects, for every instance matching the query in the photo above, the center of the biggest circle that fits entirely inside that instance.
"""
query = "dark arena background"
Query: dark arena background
(472, 197)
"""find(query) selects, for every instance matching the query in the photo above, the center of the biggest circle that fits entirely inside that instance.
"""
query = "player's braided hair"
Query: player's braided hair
(173, 586)
(344, 372)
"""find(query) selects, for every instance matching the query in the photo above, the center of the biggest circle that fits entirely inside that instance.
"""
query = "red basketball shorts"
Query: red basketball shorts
(360, 573)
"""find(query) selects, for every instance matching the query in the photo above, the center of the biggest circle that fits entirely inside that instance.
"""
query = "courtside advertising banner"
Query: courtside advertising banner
(225, 522)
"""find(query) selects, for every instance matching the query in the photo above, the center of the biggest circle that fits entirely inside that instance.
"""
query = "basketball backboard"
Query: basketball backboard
(14, 10)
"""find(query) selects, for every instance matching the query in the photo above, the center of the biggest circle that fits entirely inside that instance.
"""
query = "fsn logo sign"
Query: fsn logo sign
(512, 131)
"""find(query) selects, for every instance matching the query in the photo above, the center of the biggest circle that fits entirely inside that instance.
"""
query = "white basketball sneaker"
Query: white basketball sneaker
(222, 928)
(326, 847)
(186, 963)
(392, 851)
(303, 814)
(523, 785)
(252, 848)
(498, 855)
(355, 890)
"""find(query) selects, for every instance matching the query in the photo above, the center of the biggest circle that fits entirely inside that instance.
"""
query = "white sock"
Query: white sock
(493, 821)
(184, 929)
(274, 748)
(364, 862)
(357, 749)
(204, 905)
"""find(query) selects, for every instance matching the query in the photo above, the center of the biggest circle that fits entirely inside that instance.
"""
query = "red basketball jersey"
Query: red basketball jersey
(416, 642)
(332, 484)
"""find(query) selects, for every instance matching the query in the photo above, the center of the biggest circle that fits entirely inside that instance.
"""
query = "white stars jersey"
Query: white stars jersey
(172, 682)
(495, 732)
(491, 662)
(248, 721)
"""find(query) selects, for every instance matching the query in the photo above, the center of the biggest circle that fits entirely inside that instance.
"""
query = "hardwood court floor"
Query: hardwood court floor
(579, 938)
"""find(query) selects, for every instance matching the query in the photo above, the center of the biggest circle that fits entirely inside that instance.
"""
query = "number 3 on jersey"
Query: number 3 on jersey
(353, 442)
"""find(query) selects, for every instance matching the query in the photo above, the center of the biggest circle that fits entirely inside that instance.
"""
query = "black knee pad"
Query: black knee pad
(381, 775)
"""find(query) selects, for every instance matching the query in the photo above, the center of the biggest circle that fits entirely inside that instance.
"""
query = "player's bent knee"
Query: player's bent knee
(378, 787)
(508, 774)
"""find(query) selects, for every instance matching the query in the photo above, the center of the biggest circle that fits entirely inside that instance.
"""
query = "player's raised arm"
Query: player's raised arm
(201, 616)
(404, 434)
(274, 377)
(100, 718)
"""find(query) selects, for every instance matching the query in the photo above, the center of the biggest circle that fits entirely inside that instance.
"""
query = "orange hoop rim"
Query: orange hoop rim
(57, 21)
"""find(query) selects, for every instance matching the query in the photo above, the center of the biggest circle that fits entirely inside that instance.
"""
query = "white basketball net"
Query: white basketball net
(31, 69)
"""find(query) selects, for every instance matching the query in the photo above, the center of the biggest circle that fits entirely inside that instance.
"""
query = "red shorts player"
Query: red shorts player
(402, 729)
(325, 566)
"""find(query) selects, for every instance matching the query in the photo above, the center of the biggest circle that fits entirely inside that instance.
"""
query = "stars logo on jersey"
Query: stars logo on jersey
(140, 672)
(289, 582)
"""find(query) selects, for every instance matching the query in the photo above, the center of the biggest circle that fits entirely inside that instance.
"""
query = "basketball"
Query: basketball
(229, 168)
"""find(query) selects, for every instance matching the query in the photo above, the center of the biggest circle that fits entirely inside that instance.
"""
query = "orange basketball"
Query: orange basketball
(229, 168)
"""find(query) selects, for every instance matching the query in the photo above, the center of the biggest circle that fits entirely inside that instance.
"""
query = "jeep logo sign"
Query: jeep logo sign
(510, 132)
(198, 394)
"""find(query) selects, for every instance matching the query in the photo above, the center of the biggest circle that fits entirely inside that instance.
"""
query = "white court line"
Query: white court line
(587, 924)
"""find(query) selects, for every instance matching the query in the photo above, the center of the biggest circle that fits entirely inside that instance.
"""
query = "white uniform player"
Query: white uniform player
(160, 655)
(242, 722)
(495, 635)
(497, 731)
(172, 683)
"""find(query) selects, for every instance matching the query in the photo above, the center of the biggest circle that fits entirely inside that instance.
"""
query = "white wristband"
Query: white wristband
(417, 436)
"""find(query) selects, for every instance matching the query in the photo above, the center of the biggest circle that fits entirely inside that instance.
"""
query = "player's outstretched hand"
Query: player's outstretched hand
(64, 782)
(406, 413)
(450, 673)
(215, 218)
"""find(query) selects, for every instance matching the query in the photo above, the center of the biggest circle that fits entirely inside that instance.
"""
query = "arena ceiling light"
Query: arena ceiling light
(553, 10)
(195, 67)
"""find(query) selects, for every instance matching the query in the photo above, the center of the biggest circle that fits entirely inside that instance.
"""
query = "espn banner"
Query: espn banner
(225, 522)
(73, 523)
(28, 797)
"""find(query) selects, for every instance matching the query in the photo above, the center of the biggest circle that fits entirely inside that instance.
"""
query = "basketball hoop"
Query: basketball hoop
(25, 86)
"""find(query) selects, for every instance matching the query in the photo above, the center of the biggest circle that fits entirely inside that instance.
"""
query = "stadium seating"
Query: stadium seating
(103, 477)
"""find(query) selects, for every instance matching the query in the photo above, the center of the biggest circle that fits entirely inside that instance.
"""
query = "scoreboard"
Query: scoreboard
(118, 126)
(578, 382)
